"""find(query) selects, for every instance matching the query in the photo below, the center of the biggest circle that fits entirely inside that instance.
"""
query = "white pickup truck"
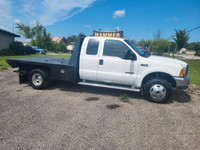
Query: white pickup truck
(110, 63)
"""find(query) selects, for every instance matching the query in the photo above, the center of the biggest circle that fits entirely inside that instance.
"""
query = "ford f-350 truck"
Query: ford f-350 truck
(110, 63)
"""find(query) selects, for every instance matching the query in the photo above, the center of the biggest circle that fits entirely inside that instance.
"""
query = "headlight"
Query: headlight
(183, 72)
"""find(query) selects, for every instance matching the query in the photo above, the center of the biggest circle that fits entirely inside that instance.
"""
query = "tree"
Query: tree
(38, 29)
(43, 40)
(59, 47)
(159, 47)
(172, 46)
(26, 30)
(157, 35)
(81, 33)
(72, 38)
(181, 38)
(29, 31)
(194, 46)
(133, 41)
(145, 44)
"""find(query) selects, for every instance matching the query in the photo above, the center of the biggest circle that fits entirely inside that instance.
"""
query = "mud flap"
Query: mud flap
(23, 79)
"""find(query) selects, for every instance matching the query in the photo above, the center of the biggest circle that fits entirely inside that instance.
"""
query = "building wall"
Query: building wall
(70, 47)
(5, 41)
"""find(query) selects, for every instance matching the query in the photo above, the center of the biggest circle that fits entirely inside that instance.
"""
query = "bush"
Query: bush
(17, 48)
(59, 47)
(159, 47)
(6, 52)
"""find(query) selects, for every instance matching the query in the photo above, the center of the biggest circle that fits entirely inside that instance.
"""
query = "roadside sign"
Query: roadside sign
(115, 34)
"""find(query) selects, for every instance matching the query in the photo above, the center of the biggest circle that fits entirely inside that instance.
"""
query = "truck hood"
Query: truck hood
(167, 60)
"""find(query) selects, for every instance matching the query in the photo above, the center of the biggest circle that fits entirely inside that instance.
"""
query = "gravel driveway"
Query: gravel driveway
(78, 117)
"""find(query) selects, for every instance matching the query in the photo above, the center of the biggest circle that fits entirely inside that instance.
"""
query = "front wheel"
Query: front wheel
(38, 79)
(157, 90)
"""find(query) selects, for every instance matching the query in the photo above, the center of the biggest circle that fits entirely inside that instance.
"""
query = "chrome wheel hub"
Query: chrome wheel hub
(158, 91)
(37, 79)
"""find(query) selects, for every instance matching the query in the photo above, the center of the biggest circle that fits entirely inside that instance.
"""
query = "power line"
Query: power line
(193, 29)
(188, 31)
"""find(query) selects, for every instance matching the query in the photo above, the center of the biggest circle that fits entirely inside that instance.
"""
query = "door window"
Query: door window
(115, 48)
(92, 47)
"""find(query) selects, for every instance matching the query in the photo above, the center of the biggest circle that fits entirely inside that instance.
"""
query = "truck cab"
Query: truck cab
(108, 60)
(117, 62)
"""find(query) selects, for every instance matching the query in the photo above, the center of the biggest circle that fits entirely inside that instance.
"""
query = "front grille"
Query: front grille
(186, 70)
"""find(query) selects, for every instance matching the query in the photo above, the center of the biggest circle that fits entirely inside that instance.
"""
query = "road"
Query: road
(187, 56)
(67, 116)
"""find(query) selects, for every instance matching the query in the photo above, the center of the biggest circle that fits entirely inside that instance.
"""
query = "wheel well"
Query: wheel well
(28, 68)
(24, 70)
(162, 75)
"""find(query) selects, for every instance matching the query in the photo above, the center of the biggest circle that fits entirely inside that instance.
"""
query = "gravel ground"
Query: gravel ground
(79, 117)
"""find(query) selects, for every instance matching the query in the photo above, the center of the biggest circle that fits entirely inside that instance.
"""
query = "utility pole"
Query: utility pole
(170, 44)
(13, 27)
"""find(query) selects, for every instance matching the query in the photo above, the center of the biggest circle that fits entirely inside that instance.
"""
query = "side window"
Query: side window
(115, 48)
(92, 47)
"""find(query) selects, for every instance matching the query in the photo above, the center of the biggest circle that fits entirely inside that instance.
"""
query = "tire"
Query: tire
(38, 79)
(157, 90)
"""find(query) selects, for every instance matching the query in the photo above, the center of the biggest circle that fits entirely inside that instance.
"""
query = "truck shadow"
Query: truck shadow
(64, 86)
(180, 97)
(177, 96)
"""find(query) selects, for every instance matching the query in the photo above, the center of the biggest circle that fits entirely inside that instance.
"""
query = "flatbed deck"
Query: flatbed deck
(56, 68)
(41, 60)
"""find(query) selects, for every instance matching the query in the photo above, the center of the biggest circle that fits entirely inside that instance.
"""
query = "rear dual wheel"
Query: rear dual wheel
(38, 79)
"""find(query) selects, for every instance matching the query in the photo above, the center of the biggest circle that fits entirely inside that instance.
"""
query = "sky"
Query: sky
(139, 19)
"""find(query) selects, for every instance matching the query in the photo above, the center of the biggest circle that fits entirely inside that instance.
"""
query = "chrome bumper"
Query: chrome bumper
(182, 83)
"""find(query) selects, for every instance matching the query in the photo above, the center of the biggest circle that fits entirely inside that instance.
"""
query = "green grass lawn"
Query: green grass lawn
(4, 65)
(194, 71)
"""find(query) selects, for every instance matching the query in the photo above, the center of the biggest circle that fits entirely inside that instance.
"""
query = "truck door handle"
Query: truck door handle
(100, 61)
(129, 72)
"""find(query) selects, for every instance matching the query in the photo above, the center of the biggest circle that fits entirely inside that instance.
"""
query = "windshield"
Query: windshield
(141, 53)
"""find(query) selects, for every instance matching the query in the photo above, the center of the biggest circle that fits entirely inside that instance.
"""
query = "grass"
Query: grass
(124, 96)
(4, 65)
(194, 71)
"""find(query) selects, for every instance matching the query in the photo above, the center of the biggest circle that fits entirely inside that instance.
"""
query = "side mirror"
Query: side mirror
(129, 55)
(133, 57)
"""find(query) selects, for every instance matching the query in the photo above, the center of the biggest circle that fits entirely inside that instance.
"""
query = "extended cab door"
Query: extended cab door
(114, 65)
(89, 61)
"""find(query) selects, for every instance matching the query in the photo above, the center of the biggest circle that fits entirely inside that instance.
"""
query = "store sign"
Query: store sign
(115, 34)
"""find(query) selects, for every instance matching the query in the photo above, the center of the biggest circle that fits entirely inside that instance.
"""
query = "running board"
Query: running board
(109, 86)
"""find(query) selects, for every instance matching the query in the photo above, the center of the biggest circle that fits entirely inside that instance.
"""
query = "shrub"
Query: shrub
(159, 47)
(17, 48)
(6, 52)
(59, 47)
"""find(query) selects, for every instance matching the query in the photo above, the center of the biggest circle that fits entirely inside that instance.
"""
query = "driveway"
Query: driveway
(67, 116)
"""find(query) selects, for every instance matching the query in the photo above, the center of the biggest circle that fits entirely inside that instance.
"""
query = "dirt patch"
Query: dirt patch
(18, 90)
(113, 106)
(193, 89)
(92, 99)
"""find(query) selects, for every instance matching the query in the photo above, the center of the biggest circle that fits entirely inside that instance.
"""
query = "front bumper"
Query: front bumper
(182, 83)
